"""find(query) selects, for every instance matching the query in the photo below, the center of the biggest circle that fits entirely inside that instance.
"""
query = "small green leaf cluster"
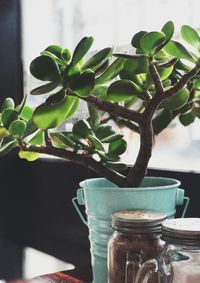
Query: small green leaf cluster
(99, 140)
(172, 61)
(15, 125)
(70, 77)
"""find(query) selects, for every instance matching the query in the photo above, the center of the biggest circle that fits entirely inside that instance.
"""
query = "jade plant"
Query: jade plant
(144, 91)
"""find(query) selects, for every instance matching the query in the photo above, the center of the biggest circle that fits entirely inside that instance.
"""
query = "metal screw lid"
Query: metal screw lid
(137, 219)
(182, 228)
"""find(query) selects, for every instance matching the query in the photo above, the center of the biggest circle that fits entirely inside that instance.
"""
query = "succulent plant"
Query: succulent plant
(144, 91)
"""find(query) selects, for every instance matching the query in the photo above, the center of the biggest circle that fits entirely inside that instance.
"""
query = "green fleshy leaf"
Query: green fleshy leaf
(60, 140)
(151, 40)
(168, 30)
(98, 59)
(54, 49)
(116, 166)
(7, 147)
(54, 58)
(112, 138)
(137, 79)
(105, 157)
(122, 90)
(51, 116)
(71, 72)
(38, 138)
(98, 71)
(191, 36)
(17, 128)
(3, 133)
(66, 55)
(8, 116)
(30, 128)
(130, 56)
(196, 83)
(95, 143)
(176, 49)
(79, 143)
(176, 101)
(44, 89)
(95, 116)
(104, 131)
(28, 155)
(167, 83)
(165, 72)
(118, 147)
(160, 54)
(83, 84)
(161, 120)
(111, 72)
(45, 69)
(27, 113)
(7, 103)
(55, 97)
(135, 42)
(168, 63)
(100, 91)
(135, 66)
(81, 129)
(81, 49)
(186, 118)
(74, 102)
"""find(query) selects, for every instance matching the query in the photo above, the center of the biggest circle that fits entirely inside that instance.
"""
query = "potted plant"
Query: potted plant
(144, 91)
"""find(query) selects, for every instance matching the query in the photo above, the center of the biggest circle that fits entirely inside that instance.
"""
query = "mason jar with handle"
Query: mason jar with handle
(136, 239)
(180, 261)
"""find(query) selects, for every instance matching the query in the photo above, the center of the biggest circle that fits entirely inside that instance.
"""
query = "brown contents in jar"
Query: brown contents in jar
(131, 246)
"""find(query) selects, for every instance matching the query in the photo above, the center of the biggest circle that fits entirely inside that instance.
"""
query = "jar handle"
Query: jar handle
(145, 271)
(133, 263)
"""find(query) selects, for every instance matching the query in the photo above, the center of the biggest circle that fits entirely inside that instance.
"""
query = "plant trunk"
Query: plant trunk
(139, 170)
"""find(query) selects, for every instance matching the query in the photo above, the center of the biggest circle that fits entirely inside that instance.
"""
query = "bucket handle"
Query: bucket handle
(187, 200)
(79, 200)
(181, 199)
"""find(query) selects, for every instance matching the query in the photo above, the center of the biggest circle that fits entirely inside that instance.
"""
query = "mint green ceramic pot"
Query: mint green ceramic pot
(101, 198)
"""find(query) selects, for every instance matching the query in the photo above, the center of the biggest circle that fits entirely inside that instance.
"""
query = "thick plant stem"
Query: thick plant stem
(139, 170)
(81, 159)
(116, 110)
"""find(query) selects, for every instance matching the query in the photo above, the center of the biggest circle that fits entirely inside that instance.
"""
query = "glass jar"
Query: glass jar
(136, 239)
(181, 256)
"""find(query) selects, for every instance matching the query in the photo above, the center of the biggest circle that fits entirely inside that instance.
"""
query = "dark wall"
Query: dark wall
(10, 85)
(11, 77)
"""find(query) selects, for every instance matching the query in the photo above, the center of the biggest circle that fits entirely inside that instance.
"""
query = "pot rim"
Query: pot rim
(87, 184)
